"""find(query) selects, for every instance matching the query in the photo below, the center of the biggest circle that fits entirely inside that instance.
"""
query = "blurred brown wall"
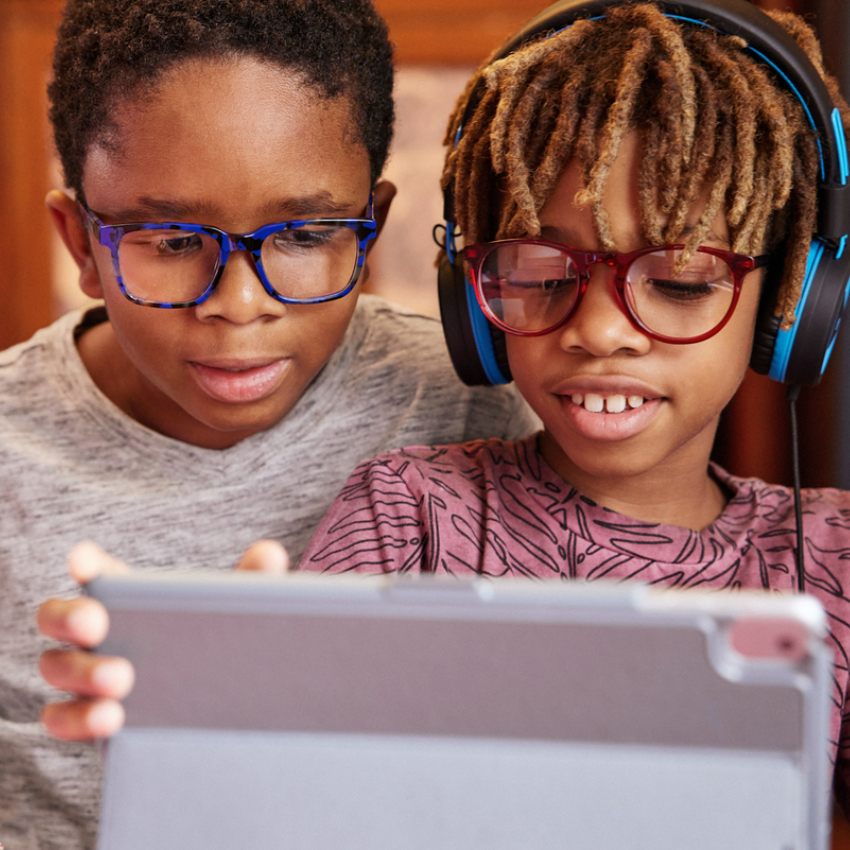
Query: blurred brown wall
(26, 39)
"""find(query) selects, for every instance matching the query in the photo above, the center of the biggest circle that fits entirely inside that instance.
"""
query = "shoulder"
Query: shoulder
(412, 508)
(49, 402)
(472, 465)
(478, 454)
(762, 518)
(395, 355)
(28, 366)
(377, 322)
(383, 335)
(774, 503)
(385, 342)
(42, 339)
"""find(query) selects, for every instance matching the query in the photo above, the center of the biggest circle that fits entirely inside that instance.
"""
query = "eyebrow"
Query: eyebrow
(711, 236)
(320, 205)
(557, 234)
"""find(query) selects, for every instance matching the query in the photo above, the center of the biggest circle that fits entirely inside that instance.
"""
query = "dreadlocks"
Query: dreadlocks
(708, 115)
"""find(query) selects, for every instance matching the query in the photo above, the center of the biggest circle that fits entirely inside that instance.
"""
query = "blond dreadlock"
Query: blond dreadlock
(706, 111)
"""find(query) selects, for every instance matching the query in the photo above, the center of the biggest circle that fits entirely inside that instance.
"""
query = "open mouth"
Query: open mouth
(234, 384)
(594, 403)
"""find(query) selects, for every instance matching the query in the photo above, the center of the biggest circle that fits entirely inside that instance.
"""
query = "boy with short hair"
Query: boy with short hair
(225, 158)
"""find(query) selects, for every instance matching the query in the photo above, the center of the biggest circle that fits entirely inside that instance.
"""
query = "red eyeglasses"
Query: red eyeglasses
(530, 287)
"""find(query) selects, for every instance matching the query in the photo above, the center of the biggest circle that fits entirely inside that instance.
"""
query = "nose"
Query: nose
(240, 297)
(600, 326)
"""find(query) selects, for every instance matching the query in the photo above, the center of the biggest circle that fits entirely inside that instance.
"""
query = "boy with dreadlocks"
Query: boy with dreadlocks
(636, 173)
(224, 158)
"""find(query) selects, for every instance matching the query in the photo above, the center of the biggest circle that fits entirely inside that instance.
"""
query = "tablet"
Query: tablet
(315, 712)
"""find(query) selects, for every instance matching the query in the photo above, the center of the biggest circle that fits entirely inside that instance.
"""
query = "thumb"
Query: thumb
(266, 556)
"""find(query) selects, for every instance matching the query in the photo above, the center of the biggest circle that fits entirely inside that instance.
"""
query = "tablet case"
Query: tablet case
(313, 712)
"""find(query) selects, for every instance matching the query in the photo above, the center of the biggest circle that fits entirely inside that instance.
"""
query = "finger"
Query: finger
(266, 556)
(83, 720)
(87, 675)
(87, 560)
(82, 621)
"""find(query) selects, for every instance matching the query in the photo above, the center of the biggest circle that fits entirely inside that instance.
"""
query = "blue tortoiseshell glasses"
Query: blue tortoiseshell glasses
(174, 264)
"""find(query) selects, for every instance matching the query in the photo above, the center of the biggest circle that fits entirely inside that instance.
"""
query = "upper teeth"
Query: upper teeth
(612, 404)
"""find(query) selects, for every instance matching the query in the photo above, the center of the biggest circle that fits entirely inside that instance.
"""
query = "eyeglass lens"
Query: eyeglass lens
(178, 265)
(532, 287)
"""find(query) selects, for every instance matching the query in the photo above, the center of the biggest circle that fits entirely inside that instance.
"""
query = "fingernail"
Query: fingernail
(104, 718)
(112, 676)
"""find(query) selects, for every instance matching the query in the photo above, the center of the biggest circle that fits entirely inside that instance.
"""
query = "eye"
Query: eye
(305, 238)
(664, 276)
(178, 244)
(549, 286)
(558, 285)
(688, 291)
(163, 244)
(679, 290)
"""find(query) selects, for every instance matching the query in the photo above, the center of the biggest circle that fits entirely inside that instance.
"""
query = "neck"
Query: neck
(678, 491)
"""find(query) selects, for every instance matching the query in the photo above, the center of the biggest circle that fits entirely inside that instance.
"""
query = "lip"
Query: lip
(240, 381)
(609, 427)
(607, 385)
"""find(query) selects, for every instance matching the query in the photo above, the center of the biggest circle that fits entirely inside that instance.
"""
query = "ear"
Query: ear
(66, 216)
(383, 195)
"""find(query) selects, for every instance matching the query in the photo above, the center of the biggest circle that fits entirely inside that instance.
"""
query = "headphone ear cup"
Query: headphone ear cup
(477, 348)
(800, 354)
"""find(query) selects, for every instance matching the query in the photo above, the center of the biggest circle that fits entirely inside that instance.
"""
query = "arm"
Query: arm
(380, 521)
(97, 683)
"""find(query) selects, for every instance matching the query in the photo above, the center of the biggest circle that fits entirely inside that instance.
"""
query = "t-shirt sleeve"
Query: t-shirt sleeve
(374, 525)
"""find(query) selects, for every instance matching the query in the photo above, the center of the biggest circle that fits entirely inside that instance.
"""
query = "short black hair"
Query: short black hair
(107, 49)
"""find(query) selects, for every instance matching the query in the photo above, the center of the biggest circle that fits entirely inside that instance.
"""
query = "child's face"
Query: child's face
(235, 144)
(599, 353)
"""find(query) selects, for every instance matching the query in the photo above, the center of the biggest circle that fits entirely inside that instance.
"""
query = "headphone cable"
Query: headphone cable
(792, 396)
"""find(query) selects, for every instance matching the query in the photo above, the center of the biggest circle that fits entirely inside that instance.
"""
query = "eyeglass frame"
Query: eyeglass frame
(739, 264)
(110, 235)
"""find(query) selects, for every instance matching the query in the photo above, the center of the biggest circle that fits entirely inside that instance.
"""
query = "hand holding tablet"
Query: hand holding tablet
(99, 682)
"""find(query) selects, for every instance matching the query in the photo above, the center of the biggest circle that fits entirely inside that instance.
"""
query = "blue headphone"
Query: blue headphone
(796, 356)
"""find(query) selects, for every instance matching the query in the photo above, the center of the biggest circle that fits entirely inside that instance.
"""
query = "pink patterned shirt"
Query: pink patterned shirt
(496, 508)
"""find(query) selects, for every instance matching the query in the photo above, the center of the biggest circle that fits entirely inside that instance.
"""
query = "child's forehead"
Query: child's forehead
(225, 100)
(185, 84)
(235, 76)
(214, 133)
(572, 216)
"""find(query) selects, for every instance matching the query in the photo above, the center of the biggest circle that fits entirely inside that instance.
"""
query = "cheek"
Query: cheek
(710, 372)
(319, 328)
(530, 359)
(737, 337)
(516, 357)
(101, 282)
(719, 364)
(156, 342)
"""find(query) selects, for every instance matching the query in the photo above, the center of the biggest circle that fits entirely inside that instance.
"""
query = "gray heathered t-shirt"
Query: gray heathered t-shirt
(75, 467)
